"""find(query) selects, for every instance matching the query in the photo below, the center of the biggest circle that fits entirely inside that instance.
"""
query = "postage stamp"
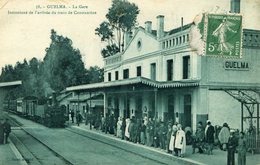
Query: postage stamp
(223, 35)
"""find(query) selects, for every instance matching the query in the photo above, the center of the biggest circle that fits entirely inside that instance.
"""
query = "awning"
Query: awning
(136, 80)
(85, 97)
(81, 98)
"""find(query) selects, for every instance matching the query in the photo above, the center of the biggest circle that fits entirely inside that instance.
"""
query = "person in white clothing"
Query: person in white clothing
(180, 142)
(127, 134)
(119, 127)
(172, 140)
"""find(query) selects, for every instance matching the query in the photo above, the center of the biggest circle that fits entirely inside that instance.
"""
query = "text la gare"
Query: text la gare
(79, 6)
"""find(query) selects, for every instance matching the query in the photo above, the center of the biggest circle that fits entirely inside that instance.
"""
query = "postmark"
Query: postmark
(223, 35)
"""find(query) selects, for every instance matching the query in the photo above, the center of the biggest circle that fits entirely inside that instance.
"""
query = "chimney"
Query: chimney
(148, 26)
(181, 23)
(160, 26)
(235, 6)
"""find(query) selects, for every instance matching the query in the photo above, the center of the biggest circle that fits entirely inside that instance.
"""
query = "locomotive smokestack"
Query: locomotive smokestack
(181, 23)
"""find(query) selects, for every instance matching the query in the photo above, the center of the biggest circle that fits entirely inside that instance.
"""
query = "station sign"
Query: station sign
(236, 65)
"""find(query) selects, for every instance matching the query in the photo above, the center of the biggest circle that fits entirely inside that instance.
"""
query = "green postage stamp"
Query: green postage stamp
(223, 35)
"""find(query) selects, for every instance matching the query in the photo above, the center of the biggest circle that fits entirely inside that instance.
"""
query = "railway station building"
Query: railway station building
(159, 75)
(86, 102)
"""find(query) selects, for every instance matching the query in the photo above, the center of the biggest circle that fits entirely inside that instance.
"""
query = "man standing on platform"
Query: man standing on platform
(7, 130)
(231, 148)
(1, 131)
(209, 136)
(241, 149)
(72, 115)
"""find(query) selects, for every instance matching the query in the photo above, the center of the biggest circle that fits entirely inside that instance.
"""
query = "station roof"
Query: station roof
(85, 97)
(133, 81)
(245, 96)
(178, 29)
(11, 83)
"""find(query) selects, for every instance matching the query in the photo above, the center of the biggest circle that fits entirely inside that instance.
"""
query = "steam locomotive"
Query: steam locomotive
(44, 111)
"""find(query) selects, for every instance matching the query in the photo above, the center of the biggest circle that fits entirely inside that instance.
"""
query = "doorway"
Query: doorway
(187, 111)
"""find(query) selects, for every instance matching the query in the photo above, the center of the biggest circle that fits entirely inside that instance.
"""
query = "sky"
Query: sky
(24, 36)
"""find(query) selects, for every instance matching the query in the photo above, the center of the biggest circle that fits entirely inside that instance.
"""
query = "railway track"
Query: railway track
(34, 151)
(115, 146)
(41, 152)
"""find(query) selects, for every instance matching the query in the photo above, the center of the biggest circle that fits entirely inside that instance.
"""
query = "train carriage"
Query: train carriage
(39, 110)
(29, 105)
(10, 105)
(19, 105)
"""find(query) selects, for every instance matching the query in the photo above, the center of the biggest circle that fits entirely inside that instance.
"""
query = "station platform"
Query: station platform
(219, 157)
(9, 155)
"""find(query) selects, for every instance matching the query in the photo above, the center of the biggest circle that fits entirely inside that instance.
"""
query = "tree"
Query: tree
(34, 64)
(121, 18)
(95, 74)
(7, 73)
(109, 50)
(36, 78)
(63, 65)
(21, 71)
(105, 32)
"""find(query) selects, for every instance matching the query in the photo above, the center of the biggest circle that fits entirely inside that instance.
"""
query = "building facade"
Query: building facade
(159, 75)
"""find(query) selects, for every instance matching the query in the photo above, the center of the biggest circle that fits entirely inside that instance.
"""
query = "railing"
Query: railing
(251, 38)
(113, 59)
(175, 41)
(253, 143)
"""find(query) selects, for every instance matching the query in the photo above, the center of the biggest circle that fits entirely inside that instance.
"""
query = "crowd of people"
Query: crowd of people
(5, 129)
(228, 140)
(154, 133)
(171, 137)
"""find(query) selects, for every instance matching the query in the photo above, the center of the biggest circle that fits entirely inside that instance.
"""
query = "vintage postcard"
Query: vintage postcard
(109, 82)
